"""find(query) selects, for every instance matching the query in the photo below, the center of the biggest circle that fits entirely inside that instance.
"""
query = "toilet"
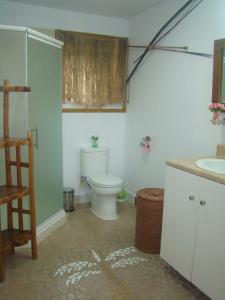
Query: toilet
(104, 186)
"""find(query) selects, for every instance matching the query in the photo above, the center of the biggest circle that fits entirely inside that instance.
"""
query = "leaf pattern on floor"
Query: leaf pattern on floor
(114, 260)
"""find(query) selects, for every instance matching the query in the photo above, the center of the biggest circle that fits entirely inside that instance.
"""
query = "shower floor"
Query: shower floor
(88, 258)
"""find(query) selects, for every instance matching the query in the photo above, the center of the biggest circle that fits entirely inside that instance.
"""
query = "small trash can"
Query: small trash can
(68, 198)
(149, 204)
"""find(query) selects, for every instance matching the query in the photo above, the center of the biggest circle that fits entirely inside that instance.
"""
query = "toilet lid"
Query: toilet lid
(106, 180)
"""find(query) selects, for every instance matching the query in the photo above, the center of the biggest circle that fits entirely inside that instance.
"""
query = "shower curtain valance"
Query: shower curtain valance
(94, 69)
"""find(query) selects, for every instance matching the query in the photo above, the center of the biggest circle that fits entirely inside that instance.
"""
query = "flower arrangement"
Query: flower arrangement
(217, 108)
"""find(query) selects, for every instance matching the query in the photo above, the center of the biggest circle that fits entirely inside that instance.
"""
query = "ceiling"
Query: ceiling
(112, 8)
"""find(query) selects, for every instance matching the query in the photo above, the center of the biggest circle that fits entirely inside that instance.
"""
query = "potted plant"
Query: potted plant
(94, 141)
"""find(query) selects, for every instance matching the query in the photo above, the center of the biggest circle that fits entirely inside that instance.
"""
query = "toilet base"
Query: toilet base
(104, 206)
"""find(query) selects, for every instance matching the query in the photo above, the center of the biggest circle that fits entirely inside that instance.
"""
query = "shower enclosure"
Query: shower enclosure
(30, 58)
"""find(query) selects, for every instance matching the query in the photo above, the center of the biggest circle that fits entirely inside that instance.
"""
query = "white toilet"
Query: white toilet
(94, 169)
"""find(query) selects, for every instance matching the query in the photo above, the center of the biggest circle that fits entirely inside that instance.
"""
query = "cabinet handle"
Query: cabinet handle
(202, 202)
(191, 198)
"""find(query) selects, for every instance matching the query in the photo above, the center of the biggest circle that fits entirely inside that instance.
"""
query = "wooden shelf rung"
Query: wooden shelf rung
(15, 237)
(15, 89)
(22, 164)
(23, 211)
(9, 193)
(13, 142)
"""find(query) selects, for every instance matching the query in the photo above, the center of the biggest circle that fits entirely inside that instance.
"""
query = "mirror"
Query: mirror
(218, 92)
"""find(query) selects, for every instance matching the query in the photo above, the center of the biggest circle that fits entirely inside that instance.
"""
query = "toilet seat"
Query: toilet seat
(106, 180)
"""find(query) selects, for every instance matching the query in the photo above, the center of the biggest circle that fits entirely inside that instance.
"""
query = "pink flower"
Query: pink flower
(216, 106)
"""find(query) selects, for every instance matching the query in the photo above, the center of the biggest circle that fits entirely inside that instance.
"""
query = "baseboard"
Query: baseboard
(50, 225)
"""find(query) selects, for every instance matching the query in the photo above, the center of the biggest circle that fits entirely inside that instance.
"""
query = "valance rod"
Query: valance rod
(186, 52)
(159, 47)
(174, 49)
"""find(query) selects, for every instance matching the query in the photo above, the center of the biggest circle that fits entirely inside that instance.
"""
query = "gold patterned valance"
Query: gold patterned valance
(94, 68)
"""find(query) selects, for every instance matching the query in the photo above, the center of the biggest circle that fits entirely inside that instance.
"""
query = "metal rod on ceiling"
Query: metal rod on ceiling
(157, 35)
(175, 49)
(158, 47)
(207, 55)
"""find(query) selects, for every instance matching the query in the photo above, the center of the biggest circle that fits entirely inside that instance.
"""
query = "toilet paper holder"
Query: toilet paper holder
(145, 142)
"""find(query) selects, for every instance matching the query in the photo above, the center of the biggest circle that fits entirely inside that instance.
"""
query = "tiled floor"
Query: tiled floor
(99, 263)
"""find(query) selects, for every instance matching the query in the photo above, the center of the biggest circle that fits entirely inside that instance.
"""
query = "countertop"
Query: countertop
(188, 165)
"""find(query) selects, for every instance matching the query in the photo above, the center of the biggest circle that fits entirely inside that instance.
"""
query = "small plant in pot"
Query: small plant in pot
(94, 141)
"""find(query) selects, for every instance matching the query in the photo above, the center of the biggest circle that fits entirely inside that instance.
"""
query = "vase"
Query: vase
(217, 118)
(222, 117)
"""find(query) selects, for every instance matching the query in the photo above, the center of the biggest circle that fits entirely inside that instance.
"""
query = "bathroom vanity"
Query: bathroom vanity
(193, 232)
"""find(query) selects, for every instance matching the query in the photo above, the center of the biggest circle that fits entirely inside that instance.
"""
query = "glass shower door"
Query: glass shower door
(12, 68)
(45, 117)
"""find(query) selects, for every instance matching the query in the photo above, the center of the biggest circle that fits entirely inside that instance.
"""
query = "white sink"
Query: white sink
(212, 164)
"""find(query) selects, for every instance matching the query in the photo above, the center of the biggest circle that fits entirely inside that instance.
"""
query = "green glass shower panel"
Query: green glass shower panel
(12, 68)
(44, 114)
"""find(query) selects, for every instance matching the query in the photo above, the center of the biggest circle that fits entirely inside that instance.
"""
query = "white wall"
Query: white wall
(170, 92)
(77, 127)
(36, 16)
(77, 130)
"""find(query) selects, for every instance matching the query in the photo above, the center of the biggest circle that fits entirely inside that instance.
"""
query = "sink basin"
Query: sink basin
(212, 164)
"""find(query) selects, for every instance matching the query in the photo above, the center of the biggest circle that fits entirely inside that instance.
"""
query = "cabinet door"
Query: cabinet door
(179, 220)
(44, 112)
(209, 257)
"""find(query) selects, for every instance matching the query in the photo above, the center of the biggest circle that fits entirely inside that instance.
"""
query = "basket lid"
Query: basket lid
(153, 194)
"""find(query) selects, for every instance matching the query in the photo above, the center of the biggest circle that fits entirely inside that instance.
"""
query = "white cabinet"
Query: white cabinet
(193, 233)
(179, 221)
(209, 260)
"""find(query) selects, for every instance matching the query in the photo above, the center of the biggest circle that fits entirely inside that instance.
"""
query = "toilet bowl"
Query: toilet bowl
(105, 188)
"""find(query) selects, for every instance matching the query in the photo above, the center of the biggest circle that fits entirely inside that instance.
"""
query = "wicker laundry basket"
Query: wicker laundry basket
(149, 203)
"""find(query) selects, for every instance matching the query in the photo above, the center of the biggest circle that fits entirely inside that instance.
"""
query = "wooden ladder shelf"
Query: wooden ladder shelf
(14, 237)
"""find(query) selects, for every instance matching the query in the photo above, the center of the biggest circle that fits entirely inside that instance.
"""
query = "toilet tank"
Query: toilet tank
(93, 161)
